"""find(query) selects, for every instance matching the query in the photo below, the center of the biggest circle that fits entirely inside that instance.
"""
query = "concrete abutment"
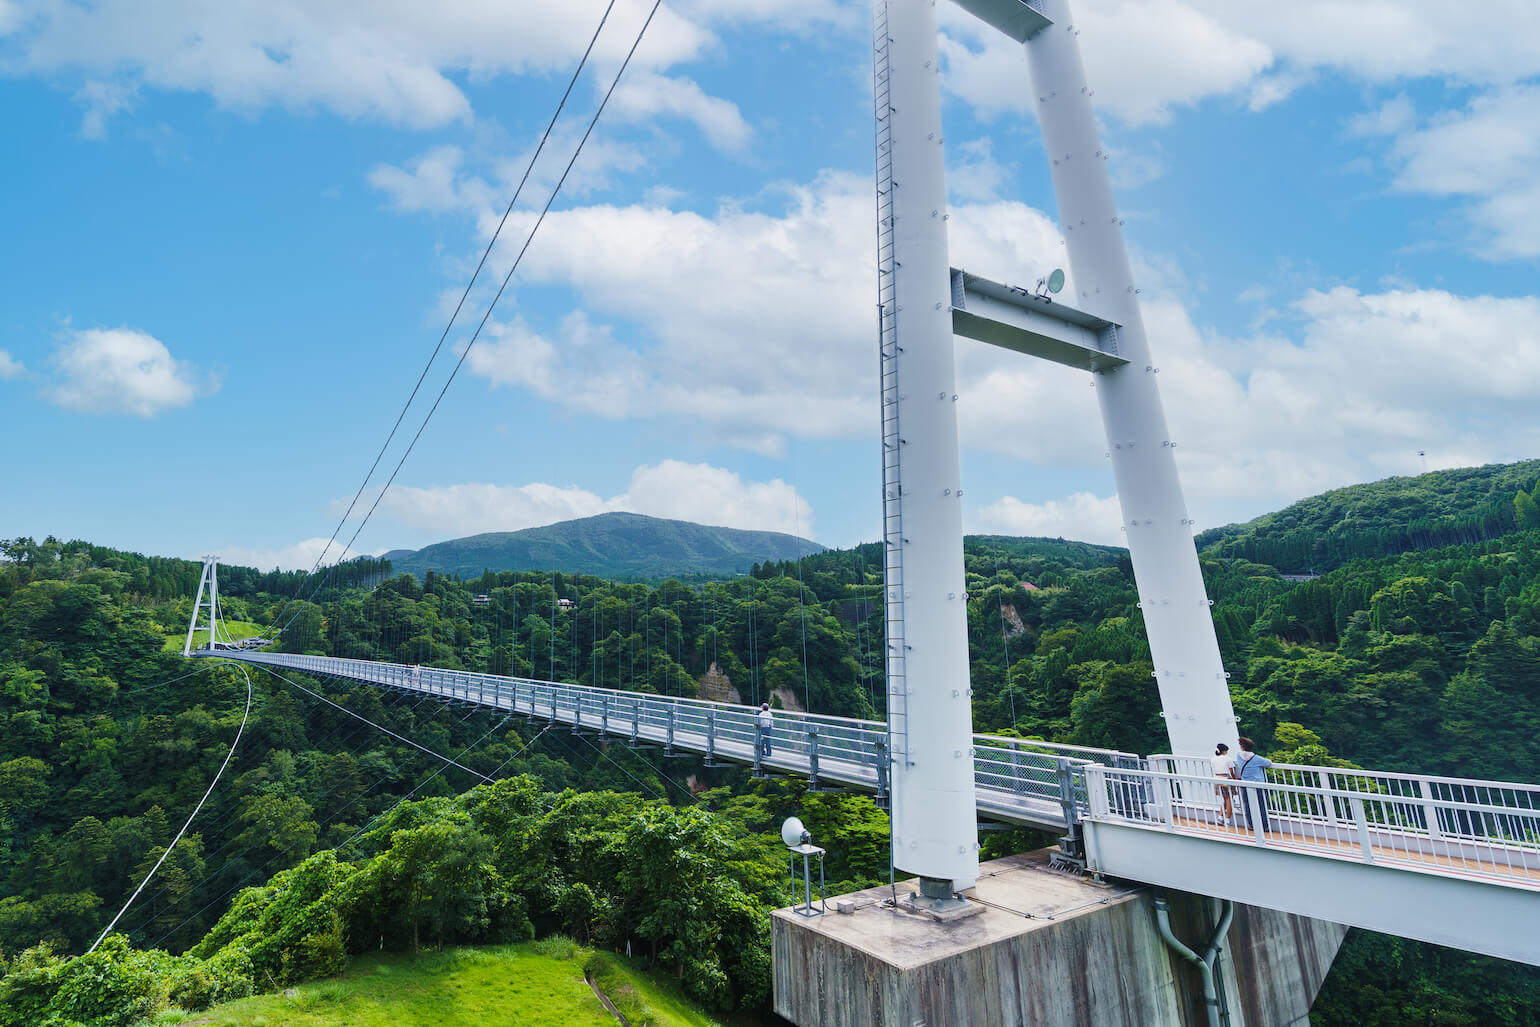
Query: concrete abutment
(1049, 949)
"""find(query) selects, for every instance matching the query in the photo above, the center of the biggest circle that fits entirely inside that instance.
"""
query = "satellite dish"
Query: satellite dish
(1056, 280)
(793, 833)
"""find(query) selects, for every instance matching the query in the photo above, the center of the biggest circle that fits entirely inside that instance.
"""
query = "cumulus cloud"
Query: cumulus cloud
(120, 371)
(673, 489)
(1146, 57)
(785, 350)
(391, 62)
(1343, 385)
(10, 367)
(649, 94)
(1486, 154)
(299, 556)
(1143, 58)
(1082, 516)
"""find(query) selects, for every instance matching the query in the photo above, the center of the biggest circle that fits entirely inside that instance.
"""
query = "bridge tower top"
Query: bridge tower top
(208, 584)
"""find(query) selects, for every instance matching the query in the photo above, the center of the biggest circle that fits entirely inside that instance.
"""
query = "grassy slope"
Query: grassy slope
(538, 984)
(642, 999)
(236, 629)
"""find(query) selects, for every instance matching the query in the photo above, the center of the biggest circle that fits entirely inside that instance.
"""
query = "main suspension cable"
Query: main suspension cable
(188, 822)
(555, 191)
(528, 168)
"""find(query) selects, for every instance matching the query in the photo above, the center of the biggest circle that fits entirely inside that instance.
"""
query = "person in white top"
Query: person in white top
(765, 721)
(1224, 766)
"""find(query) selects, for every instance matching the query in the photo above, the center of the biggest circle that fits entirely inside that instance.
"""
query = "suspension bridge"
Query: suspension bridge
(1444, 860)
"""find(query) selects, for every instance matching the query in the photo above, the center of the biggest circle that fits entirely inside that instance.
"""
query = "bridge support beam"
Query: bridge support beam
(1050, 950)
(1172, 597)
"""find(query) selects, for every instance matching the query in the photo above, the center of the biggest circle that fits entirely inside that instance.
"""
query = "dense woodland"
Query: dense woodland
(1422, 659)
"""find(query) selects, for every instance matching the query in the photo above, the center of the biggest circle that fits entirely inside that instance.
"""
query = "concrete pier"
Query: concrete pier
(1049, 949)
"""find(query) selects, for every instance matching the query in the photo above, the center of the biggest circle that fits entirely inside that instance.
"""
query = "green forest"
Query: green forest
(326, 838)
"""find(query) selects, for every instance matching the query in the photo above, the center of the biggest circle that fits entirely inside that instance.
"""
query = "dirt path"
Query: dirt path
(605, 1000)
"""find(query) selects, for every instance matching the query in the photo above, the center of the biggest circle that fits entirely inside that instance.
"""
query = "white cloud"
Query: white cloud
(10, 367)
(1142, 58)
(672, 488)
(1081, 516)
(120, 371)
(782, 348)
(1146, 57)
(395, 62)
(1487, 154)
(646, 95)
(1392, 117)
(299, 556)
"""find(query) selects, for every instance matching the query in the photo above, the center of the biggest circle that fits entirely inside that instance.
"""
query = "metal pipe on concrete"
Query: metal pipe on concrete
(1217, 1013)
(1177, 618)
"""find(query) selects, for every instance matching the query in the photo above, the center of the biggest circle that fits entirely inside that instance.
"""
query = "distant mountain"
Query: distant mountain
(612, 545)
(1380, 518)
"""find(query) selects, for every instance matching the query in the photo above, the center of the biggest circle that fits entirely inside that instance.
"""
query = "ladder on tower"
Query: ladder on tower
(892, 440)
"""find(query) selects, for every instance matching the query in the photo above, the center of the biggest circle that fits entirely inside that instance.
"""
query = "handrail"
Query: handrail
(1328, 792)
(1386, 774)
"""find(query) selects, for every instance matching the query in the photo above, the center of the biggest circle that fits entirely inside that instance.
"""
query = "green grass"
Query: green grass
(236, 629)
(644, 1000)
(511, 984)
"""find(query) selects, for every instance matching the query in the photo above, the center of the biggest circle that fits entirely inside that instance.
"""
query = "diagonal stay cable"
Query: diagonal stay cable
(528, 239)
(338, 848)
(233, 839)
(366, 720)
(240, 731)
(485, 253)
(424, 782)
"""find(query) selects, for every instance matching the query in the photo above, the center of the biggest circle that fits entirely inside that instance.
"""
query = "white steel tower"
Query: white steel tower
(930, 715)
(922, 301)
(1177, 619)
(208, 581)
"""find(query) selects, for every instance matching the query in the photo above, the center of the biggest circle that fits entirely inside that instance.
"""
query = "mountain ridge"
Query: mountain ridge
(614, 545)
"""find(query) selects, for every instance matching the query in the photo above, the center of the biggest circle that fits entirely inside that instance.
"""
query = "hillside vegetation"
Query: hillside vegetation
(1385, 518)
(612, 545)
(327, 839)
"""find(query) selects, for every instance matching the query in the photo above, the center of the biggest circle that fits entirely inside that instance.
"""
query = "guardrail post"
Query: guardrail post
(812, 759)
(551, 720)
(1328, 801)
(882, 773)
(1362, 823)
(1067, 802)
(604, 715)
(1163, 808)
(1255, 802)
(636, 722)
(711, 738)
(1430, 811)
(668, 746)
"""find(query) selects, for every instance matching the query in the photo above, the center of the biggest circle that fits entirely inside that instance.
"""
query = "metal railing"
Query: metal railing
(1010, 773)
(1439, 807)
(1450, 827)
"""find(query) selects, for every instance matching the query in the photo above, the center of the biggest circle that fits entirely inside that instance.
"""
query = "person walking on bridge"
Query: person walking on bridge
(1224, 769)
(764, 722)
(1251, 767)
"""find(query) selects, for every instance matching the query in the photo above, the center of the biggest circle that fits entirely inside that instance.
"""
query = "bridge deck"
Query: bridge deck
(1018, 781)
(1391, 852)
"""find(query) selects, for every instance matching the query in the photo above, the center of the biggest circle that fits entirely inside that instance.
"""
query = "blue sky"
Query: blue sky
(234, 232)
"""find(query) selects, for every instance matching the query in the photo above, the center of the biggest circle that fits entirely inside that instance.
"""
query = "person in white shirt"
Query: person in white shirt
(1224, 766)
(765, 721)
